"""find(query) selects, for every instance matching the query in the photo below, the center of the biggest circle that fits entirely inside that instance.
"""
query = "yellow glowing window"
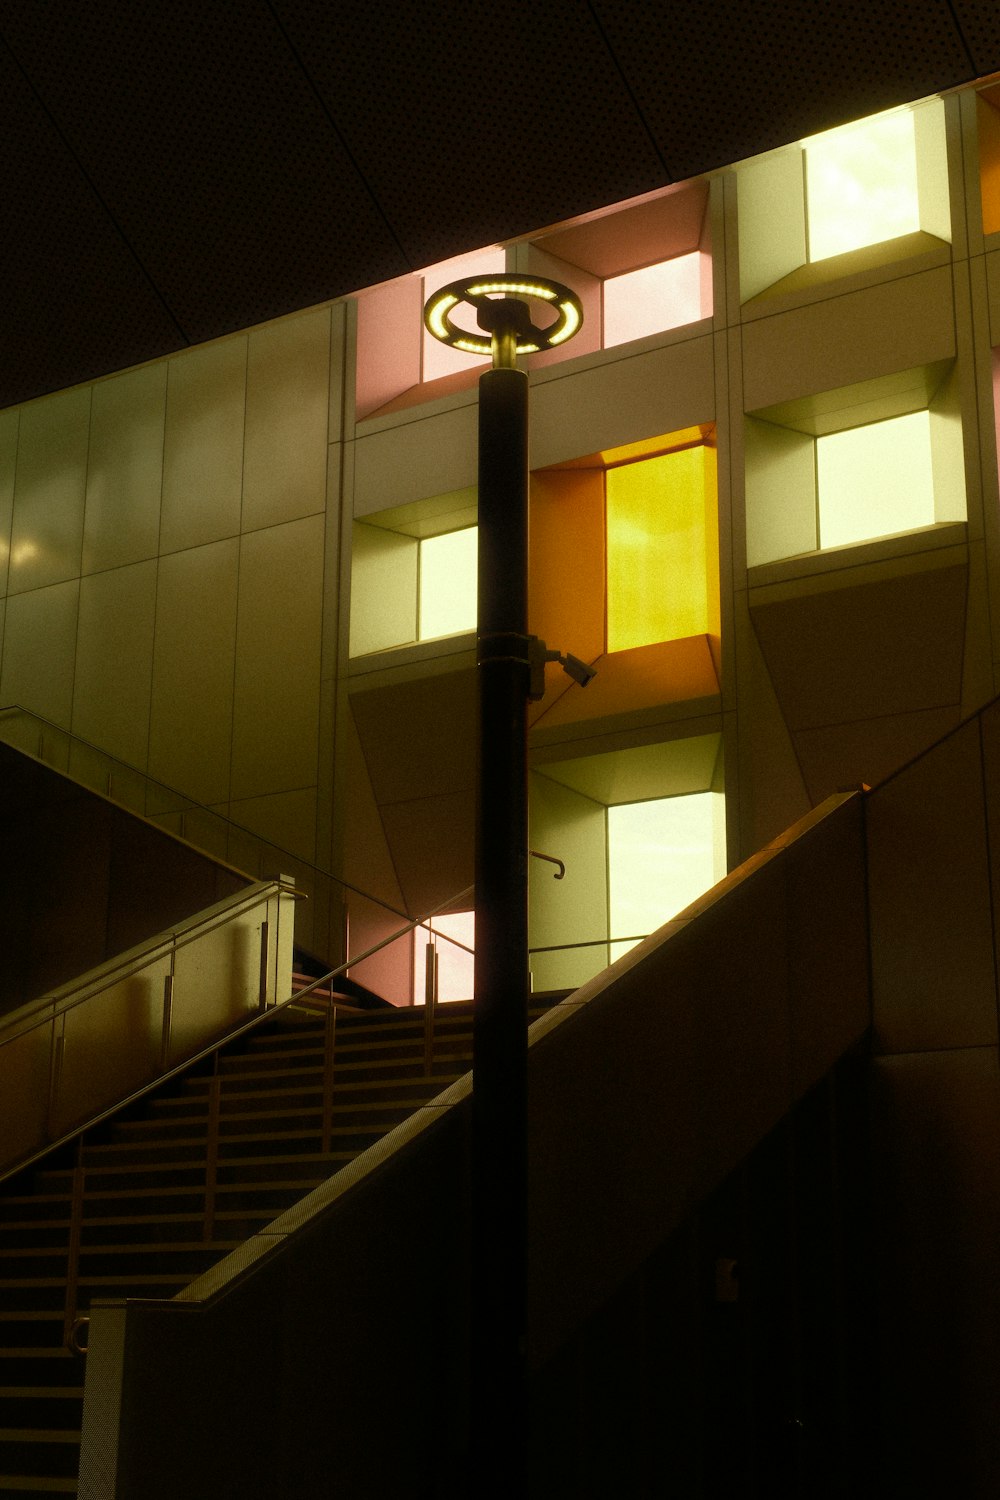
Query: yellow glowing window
(455, 963)
(657, 541)
(661, 856)
(654, 299)
(874, 481)
(447, 583)
(861, 185)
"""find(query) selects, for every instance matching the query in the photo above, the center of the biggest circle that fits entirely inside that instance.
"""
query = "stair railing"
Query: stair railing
(75, 1327)
(68, 1057)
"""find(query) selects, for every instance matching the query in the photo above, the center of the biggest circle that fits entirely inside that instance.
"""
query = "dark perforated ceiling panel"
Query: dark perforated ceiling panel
(171, 173)
(468, 117)
(980, 25)
(717, 83)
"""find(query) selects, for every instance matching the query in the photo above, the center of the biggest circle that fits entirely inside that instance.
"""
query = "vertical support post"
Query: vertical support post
(499, 1105)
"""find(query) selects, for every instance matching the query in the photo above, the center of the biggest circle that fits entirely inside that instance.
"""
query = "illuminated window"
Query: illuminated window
(447, 592)
(413, 572)
(880, 181)
(661, 856)
(876, 480)
(642, 834)
(655, 299)
(639, 270)
(849, 466)
(456, 963)
(988, 118)
(658, 563)
(861, 185)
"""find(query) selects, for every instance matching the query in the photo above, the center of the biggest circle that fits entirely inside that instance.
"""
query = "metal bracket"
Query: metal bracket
(539, 654)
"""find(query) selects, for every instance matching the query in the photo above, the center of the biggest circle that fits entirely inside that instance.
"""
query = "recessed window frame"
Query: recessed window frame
(386, 571)
(572, 920)
(772, 210)
(783, 505)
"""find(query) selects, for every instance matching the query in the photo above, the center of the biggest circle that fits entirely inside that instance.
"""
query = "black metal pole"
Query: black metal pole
(499, 1111)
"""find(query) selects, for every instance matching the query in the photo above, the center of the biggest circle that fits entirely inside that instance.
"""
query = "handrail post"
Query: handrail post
(264, 957)
(57, 1047)
(329, 1052)
(73, 1247)
(430, 1002)
(212, 1152)
(168, 1015)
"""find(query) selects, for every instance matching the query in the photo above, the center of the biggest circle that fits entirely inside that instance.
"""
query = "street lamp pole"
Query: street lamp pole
(508, 666)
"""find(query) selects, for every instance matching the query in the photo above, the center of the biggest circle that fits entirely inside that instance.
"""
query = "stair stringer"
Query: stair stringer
(329, 1353)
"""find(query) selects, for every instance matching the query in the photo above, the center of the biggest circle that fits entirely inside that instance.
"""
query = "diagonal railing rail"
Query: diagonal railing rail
(333, 904)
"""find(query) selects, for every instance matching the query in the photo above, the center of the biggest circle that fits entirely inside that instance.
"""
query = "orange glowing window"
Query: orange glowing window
(660, 549)
(988, 103)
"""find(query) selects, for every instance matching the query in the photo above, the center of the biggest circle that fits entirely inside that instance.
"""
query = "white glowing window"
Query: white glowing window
(654, 299)
(874, 481)
(447, 583)
(456, 963)
(438, 358)
(861, 185)
(661, 856)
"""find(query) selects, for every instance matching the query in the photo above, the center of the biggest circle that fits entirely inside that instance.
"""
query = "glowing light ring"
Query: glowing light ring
(473, 290)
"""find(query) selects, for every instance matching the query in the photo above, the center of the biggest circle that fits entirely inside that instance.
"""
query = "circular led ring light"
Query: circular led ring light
(477, 290)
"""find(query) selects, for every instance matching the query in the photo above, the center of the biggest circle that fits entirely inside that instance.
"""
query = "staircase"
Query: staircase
(154, 1211)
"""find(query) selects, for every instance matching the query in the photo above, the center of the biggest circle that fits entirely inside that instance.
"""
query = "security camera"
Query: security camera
(539, 654)
(577, 669)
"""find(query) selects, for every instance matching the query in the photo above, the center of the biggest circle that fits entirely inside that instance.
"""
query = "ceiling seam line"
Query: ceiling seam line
(961, 35)
(366, 185)
(629, 90)
(98, 195)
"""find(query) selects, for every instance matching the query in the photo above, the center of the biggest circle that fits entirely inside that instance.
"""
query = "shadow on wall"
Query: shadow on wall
(84, 880)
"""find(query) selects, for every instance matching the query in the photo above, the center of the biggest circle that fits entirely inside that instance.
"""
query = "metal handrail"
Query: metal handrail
(159, 952)
(65, 998)
(561, 870)
(589, 943)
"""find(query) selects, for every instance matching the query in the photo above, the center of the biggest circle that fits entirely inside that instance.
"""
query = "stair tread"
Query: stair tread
(271, 1097)
(229, 1118)
(41, 1351)
(42, 1483)
(120, 1168)
(158, 1278)
(39, 1434)
(42, 1392)
(225, 1136)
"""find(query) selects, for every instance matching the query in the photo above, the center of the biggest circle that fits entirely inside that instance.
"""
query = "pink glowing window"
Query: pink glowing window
(657, 298)
(440, 359)
(455, 962)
